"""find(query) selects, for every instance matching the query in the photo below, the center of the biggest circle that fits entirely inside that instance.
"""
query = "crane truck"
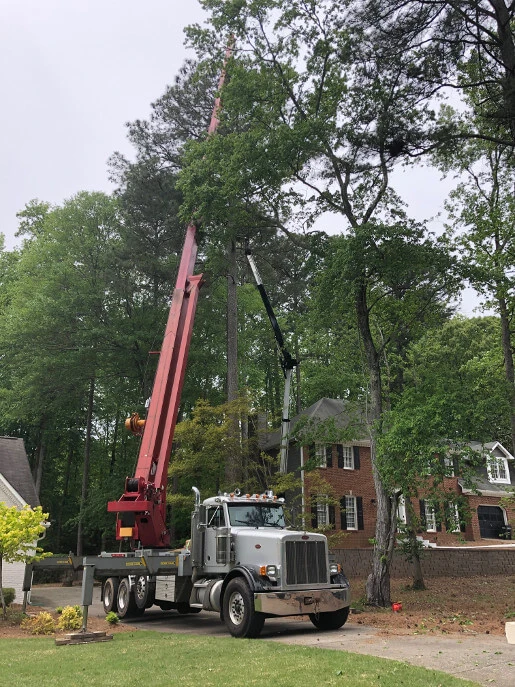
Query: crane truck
(242, 561)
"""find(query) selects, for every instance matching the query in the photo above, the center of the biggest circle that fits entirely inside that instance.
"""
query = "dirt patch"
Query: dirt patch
(449, 605)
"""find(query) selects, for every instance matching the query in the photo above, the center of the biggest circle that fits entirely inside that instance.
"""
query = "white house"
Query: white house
(16, 489)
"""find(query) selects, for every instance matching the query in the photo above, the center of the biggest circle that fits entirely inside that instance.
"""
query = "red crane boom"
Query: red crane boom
(141, 510)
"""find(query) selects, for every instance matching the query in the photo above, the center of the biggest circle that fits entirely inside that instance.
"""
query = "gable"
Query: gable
(15, 469)
(9, 495)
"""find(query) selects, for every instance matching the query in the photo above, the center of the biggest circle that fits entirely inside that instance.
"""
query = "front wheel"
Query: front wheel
(330, 621)
(238, 607)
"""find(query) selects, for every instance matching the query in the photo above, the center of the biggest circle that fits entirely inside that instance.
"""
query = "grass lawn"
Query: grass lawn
(162, 660)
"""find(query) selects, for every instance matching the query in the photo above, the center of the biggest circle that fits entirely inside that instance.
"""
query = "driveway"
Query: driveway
(486, 659)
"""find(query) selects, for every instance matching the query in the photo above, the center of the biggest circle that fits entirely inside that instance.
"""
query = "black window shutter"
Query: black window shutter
(329, 456)
(359, 509)
(355, 450)
(339, 448)
(343, 514)
(422, 514)
(463, 524)
(456, 466)
(331, 515)
(314, 519)
(312, 451)
(438, 516)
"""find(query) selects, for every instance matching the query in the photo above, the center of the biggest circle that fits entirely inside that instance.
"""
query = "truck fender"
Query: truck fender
(251, 578)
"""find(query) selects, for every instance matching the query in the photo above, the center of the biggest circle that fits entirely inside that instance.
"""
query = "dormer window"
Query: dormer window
(498, 472)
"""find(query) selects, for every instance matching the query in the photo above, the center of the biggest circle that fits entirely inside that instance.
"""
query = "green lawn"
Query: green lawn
(165, 660)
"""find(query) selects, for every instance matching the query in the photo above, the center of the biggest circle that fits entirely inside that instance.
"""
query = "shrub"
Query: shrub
(71, 618)
(59, 610)
(112, 618)
(41, 624)
(9, 595)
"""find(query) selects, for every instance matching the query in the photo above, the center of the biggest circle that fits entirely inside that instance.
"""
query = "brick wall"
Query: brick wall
(435, 562)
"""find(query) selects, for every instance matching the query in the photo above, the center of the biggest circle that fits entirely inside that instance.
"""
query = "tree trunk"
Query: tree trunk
(85, 473)
(378, 582)
(232, 465)
(39, 467)
(508, 362)
(418, 577)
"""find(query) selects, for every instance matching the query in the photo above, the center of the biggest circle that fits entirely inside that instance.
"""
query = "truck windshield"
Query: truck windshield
(256, 515)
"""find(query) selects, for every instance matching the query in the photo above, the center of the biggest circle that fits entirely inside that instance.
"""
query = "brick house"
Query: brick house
(16, 489)
(346, 468)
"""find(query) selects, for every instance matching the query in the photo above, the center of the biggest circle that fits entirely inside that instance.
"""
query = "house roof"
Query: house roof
(341, 412)
(14, 466)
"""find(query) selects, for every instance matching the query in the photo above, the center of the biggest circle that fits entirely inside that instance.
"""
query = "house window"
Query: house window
(348, 457)
(401, 510)
(497, 467)
(452, 518)
(323, 454)
(351, 512)
(322, 512)
(449, 467)
(430, 515)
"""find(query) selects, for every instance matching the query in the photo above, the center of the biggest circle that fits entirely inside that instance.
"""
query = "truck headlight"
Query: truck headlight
(268, 570)
(335, 568)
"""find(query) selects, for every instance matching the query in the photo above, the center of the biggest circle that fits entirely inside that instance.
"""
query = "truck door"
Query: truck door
(216, 526)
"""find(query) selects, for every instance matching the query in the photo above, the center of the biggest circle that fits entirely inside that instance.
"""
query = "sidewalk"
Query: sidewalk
(485, 659)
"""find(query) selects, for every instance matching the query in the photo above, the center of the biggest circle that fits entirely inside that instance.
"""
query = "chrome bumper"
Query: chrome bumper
(302, 602)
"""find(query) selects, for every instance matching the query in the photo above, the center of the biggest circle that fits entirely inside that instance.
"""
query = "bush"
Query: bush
(71, 618)
(41, 624)
(112, 618)
(9, 595)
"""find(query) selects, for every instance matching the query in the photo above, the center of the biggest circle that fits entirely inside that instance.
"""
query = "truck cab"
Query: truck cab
(248, 565)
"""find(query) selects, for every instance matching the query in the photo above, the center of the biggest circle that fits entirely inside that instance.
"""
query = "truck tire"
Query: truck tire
(110, 594)
(238, 609)
(126, 602)
(143, 592)
(330, 621)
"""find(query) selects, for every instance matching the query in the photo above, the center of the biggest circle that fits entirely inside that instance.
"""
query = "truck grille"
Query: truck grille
(305, 562)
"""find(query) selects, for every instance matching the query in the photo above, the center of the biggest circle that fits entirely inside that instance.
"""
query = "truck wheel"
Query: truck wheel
(143, 593)
(238, 606)
(330, 621)
(126, 602)
(109, 597)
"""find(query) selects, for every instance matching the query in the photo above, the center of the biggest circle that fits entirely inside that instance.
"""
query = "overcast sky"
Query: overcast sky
(74, 72)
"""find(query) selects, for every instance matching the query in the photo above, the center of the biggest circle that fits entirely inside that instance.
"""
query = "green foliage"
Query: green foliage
(112, 618)
(41, 624)
(9, 595)
(70, 618)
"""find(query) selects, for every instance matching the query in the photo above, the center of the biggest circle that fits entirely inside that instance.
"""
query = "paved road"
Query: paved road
(486, 659)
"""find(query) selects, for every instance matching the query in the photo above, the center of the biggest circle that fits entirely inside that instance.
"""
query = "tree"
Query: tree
(19, 532)
(436, 38)
(482, 214)
(311, 119)
(454, 393)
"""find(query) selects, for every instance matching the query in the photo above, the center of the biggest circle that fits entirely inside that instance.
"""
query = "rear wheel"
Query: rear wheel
(143, 592)
(109, 597)
(126, 602)
(330, 621)
(238, 606)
